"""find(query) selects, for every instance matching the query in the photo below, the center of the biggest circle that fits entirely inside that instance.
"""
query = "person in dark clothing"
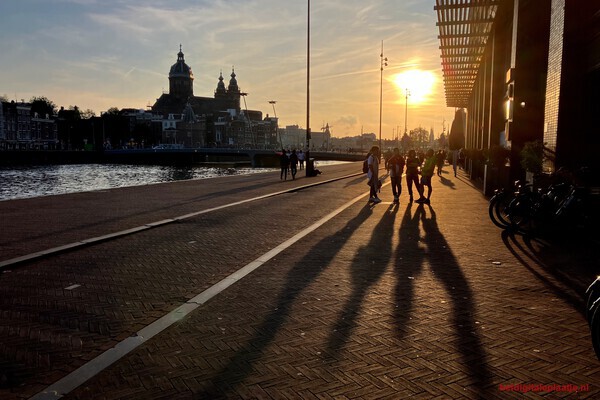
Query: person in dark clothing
(412, 173)
(293, 163)
(284, 162)
(440, 159)
(395, 166)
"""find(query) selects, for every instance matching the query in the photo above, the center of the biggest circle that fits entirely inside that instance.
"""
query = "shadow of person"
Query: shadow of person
(409, 260)
(299, 277)
(447, 182)
(447, 269)
(368, 265)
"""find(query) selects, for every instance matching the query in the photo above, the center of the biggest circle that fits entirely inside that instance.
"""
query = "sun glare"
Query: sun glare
(419, 84)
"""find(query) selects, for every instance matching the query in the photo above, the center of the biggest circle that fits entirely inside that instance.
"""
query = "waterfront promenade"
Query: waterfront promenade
(246, 287)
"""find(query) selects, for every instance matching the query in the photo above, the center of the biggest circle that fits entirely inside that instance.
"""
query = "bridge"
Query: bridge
(255, 158)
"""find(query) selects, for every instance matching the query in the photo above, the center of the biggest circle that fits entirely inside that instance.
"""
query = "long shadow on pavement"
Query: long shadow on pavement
(299, 278)
(368, 265)
(447, 270)
(569, 284)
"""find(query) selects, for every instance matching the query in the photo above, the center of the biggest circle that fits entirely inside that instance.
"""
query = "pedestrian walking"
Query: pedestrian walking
(284, 162)
(293, 163)
(301, 158)
(412, 173)
(426, 174)
(440, 159)
(373, 174)
(395, 166)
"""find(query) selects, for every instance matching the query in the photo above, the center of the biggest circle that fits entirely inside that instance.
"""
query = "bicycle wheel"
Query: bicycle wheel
(502, 210)
(498, 210)
(519, 214)
(591, 295)
(595, 331)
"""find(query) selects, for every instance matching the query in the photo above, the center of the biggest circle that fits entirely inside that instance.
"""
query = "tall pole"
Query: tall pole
(383, 63)
(309, 170)
(273, 102)
(406, 111)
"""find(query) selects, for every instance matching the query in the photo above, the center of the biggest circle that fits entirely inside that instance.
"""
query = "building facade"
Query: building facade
(21, 128)
(217, 121)
(524, 71)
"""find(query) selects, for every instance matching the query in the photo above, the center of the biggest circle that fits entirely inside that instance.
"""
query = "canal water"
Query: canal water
(34, 181)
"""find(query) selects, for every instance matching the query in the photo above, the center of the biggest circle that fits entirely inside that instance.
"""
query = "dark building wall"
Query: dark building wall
(530, 70)
(578, 133)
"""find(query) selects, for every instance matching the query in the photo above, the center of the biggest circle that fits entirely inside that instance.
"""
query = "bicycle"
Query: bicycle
(498, 208)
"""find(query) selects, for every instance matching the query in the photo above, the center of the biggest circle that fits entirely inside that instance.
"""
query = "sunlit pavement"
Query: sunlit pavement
(381, 301)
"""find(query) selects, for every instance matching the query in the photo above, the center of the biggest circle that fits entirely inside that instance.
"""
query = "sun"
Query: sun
(419, 83)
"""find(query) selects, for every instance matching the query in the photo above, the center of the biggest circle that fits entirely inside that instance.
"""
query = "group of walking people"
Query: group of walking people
(289, 161)
(395, 165)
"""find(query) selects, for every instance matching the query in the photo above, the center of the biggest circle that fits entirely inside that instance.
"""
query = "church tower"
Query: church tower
(181, 78)
(221, 92)
(233, 91)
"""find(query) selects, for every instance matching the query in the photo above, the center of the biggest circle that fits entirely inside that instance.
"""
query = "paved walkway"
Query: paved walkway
(310, 293)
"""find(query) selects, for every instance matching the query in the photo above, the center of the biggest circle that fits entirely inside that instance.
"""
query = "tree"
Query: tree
(420, 137)
(76, 112)
(87, 114)
(42, 106)
(112, 111)
(4, 98)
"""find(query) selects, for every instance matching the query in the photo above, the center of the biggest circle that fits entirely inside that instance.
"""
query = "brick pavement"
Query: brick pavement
(380, 302)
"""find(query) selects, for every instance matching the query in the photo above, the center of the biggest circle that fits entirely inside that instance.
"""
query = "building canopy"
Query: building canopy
(464, 29)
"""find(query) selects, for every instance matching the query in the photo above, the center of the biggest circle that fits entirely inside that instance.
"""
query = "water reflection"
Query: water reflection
(33, 181)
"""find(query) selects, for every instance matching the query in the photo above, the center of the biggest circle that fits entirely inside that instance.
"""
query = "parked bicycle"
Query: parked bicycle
(561, 206)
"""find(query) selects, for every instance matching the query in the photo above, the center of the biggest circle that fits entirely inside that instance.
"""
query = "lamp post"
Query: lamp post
(248, 118)
(406, 111)
(273, 102)
(309, 166)
(383, 64)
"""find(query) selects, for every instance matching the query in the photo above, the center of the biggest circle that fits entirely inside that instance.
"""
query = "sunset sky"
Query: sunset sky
(98, 54)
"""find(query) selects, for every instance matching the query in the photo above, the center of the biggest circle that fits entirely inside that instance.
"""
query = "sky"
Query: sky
(98, 54)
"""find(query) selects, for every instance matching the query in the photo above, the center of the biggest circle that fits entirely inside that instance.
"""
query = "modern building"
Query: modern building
(524, 71)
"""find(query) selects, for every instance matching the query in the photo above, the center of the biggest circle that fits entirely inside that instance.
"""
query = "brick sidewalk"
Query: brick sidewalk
(380, 302)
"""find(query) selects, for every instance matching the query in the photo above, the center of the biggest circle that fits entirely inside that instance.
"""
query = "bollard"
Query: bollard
(310, 167)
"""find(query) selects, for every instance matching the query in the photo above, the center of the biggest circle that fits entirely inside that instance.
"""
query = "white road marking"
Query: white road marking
(121, 349)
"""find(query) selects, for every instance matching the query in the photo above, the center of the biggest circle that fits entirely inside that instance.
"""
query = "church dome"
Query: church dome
(180, 69)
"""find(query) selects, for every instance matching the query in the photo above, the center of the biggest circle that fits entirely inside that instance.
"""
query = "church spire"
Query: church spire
(233, 85)
(220, 91)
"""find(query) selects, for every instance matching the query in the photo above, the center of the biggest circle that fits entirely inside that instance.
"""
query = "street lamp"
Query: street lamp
(406, 110)
(383, 64)
(273, 102)
(248, 118)
(309, 167)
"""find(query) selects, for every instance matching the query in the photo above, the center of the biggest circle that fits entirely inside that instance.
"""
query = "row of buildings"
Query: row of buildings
(178, 117)
(520, 73)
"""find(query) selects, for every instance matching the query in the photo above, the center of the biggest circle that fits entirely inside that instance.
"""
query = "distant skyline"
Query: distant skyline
(98, 54)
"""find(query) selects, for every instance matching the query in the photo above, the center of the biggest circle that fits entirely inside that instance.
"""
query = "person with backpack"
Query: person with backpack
(372, 162)
(395, 166)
